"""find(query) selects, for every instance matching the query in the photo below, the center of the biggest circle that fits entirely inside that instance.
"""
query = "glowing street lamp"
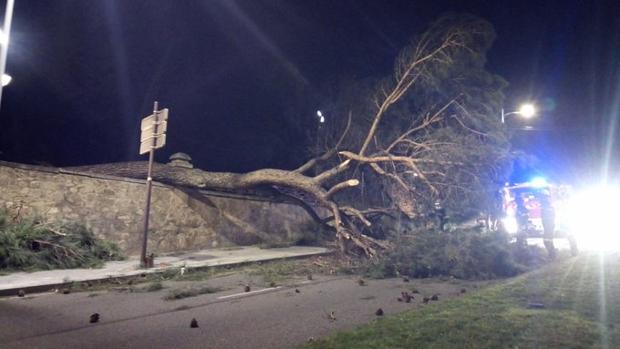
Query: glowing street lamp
(6, 79)
(319, 114)
(527, 111)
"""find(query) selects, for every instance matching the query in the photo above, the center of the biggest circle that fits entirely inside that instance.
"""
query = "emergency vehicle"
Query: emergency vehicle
(525, 204)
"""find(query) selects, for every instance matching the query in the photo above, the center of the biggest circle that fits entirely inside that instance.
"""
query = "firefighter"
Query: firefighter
(522, 216)
(547, 213)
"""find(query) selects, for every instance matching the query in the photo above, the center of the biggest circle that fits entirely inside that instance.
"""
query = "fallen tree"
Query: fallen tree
(420, 150)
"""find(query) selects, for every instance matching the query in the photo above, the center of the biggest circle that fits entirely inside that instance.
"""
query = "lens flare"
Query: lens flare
(593, 218)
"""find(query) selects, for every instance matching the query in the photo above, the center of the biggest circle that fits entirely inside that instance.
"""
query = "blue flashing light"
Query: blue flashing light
(538, 182)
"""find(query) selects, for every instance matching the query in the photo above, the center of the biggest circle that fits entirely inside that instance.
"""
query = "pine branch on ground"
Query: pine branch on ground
(29, 244)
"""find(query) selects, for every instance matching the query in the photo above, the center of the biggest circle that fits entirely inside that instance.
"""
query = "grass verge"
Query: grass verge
(189, 292)
(581, 309)
(278, 271)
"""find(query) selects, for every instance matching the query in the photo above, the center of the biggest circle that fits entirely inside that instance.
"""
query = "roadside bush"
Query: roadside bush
(461, 253)
(31, 245)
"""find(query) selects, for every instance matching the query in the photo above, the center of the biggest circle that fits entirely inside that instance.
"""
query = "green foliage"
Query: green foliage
(465, 254)
(31, 245)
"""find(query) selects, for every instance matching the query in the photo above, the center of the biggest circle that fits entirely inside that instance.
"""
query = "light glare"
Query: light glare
(6, 79)
(510, 224)
(593, 218)
(527, 110)
(538, 182)
(4, 39)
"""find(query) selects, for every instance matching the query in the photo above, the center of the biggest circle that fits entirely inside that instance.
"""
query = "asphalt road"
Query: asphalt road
(263, 318)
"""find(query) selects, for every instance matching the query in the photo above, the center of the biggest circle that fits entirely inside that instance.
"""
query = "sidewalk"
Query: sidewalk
(40, 281)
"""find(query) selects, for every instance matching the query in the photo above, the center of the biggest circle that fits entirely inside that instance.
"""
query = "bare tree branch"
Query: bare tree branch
(405, 78)
(342, 185)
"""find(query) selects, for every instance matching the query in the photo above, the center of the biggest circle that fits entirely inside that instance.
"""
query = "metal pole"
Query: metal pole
(6, 29)
(317, 147)
(149, 185)
(318, 132)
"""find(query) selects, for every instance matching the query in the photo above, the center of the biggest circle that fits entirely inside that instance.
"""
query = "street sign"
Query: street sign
(148, 144)
(153, 129)
(150, 132)
(162, 115)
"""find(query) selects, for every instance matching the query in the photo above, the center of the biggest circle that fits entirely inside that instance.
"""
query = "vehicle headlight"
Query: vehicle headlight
(593, 218)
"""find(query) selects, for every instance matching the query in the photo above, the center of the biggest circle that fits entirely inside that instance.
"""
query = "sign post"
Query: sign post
(153, 137)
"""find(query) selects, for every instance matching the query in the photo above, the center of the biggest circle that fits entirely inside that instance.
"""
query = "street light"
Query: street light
(527, 111)
(319, 114)
(6, 79)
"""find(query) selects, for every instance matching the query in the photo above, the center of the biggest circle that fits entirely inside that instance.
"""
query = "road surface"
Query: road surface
(276, 317)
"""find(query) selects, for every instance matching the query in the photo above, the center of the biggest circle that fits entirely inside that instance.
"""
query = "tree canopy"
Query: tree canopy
(427, 132)
(438, 133)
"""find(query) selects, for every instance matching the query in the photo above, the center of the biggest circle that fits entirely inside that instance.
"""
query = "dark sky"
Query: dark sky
(86, 71)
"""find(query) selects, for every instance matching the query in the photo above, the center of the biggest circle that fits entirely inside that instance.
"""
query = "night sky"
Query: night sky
(243, 79)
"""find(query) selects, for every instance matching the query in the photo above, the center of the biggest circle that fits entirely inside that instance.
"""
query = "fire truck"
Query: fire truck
(537, 209)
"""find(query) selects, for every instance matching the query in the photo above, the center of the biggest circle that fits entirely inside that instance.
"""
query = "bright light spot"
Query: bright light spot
(6, 79)
(538, 182)
(593, 218)
(320, 115)
(527, 110)
(4, 39)
(510, 224)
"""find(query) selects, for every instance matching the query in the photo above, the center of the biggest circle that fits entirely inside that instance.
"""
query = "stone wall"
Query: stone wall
(113, 208)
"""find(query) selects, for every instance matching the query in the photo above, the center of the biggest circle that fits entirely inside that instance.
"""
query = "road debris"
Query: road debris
(406, 297)
(94, 318)
(193, 324)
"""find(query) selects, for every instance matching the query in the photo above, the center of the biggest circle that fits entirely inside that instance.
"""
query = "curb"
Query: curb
(51, 287)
